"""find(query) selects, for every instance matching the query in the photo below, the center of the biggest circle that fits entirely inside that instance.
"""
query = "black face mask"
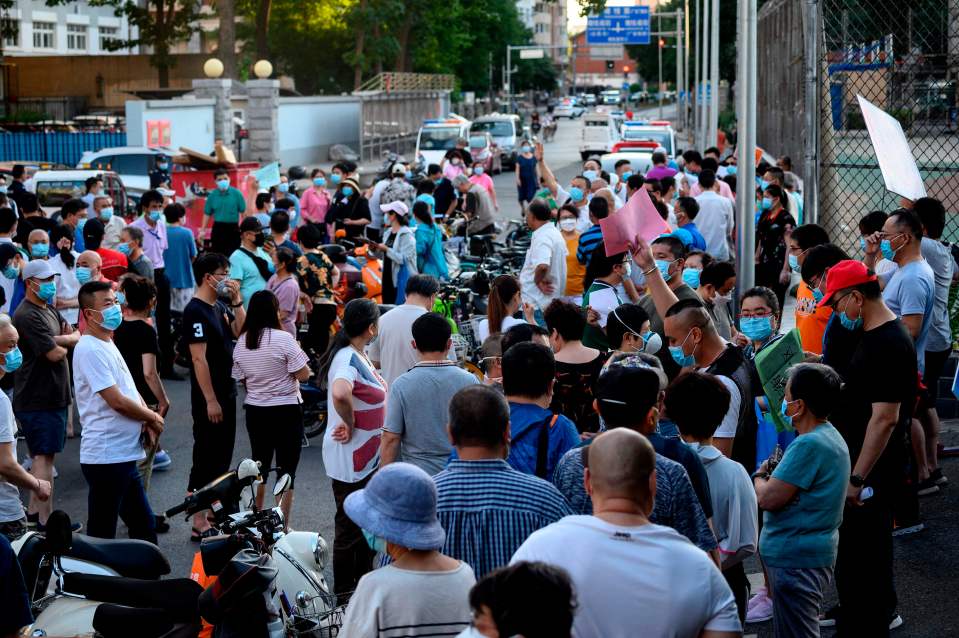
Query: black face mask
(259, 239)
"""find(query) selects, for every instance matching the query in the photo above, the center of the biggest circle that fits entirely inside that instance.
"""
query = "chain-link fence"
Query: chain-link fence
(903, 56)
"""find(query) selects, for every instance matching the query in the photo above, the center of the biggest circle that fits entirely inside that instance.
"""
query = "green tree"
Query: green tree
(161, 24)
(537, 75)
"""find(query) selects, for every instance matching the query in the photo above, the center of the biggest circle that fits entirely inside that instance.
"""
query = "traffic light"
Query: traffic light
(610, 65)
(625, 68)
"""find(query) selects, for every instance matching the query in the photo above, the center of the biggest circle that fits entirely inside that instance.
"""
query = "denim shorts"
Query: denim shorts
(45, 430)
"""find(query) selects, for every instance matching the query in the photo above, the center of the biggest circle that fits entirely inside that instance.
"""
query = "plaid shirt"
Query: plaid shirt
(488, 509)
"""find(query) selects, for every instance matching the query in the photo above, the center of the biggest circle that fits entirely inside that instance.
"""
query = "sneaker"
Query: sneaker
(937, 477)
(759, 608)
(895, 622)
(927, 487)
(828, 619)
(903, 530)
(161, 461)
(160, 524)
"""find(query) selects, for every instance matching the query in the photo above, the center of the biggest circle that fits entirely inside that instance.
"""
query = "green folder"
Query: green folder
(772, 364)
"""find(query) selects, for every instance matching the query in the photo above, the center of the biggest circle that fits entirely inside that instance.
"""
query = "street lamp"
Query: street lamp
(213, 68)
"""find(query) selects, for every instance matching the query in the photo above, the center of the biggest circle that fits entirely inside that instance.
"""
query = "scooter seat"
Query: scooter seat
(176, 597)
(119, 621)
(127, 557)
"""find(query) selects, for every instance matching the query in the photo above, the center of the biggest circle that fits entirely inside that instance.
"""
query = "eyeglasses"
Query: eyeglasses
(748, 314)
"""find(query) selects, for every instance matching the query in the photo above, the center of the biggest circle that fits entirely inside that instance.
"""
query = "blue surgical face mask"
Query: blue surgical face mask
(478, 170)
(862, 244)
(162, 166)
(12, 360)
(731, 169)
(682, 359)
(47, 290)
(756, 328)
(319, 181)
(526, 149)
(847, 323)
(763, 184)
(409, 175)
(817, 295)
(347, 191)
(767, 203)
(782, 410)
(111, 318)
(691, 277)
(438, 181)
(625, 176)
(283, 187)
(663, 267)
(155, 215)
(885, 247)
(3, 189)
(83, 274)
(121, 298)
(11, 271)
(590, 175)
(576, 193)
(81, 222)
(793, 262)
(223, 184)
(39, 251)
(106, 213)
(376, 543)
(125, 249)
(336, 178)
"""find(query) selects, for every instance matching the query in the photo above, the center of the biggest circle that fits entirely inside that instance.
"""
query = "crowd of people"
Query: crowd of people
(619, 433)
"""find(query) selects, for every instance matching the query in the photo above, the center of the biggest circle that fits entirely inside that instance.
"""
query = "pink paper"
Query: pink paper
(638, 217)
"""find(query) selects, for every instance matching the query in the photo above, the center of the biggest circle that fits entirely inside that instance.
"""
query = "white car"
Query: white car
(53, 188)
(132, 163)
(641, 159)
(436, 137)
(563, 110)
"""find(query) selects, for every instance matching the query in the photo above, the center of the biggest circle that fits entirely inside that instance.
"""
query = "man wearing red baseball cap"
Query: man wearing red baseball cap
(874, 415)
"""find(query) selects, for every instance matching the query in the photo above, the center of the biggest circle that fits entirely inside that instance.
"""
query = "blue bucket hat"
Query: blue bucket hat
(399, 505)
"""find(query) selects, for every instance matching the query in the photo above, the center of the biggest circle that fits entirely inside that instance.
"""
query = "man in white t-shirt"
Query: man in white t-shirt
(664, 585)
(13, 520)
(392, 352)
(543, 277)
(114, 418)
(715, 219)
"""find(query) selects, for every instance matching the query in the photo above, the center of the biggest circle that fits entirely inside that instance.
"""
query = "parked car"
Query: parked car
(506, 132)
(132, 163)
(591, 99)
(53, 188)
(660, 132)
(600, 133)
(484, 149)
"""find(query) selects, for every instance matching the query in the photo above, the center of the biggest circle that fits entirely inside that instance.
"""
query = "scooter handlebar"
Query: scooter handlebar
(182, 507)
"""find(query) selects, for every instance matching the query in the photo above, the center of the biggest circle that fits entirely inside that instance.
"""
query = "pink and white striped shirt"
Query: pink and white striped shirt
(268, 370)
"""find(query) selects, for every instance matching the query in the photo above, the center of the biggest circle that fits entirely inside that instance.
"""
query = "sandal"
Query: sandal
(196, 535)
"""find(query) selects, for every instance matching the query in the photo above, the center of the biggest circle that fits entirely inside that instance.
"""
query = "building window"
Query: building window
(538, 8)
(11, 32)
(77, 37)
(108, 35)
(43, 35)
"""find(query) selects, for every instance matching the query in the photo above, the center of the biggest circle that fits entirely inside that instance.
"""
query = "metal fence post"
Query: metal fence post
(746, 147)
(811, 163)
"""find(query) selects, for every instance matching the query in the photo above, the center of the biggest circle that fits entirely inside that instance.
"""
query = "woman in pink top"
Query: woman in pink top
(480, 177)
(316, 199)
(270, 365)
(284, 285)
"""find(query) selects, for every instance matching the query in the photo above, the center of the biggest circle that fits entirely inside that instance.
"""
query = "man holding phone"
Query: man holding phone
(252, 263)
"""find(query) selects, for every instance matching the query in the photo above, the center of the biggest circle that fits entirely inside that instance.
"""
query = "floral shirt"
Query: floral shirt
(314, 270)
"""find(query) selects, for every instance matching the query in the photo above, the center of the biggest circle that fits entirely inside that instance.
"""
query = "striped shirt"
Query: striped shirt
(675, 504)
(488, 509)
(268, 370)
(588, 242)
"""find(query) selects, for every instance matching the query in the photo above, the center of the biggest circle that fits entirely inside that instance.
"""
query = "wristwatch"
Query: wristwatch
(856, 481)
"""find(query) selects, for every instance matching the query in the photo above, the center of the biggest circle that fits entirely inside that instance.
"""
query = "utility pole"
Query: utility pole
(712, 136)
(746, 146)
(660, 43)
(704, 111)
(680, 80)
(695, 97)
(811, 164)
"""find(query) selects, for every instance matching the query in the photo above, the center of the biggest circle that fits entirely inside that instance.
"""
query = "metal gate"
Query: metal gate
(902, 56)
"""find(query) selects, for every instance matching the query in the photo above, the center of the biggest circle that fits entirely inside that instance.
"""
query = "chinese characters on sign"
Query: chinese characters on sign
(619, 25)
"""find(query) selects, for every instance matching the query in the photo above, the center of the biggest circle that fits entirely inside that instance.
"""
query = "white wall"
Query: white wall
(308, 126)
(191, 122)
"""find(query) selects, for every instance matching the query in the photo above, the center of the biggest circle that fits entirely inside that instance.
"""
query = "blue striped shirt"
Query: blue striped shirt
(488, 509)
(588, 242)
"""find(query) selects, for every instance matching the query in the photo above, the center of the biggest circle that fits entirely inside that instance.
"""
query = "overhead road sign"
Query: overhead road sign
(531, 54)
(619, 25)
(607, 52)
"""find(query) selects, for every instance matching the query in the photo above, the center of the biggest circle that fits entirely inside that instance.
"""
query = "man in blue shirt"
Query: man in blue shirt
(539, 438)
(686, 210)
(250, 264)
(178, 257)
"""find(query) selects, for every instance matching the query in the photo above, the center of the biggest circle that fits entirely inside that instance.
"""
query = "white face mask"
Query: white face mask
(567, 224)
(722, 298)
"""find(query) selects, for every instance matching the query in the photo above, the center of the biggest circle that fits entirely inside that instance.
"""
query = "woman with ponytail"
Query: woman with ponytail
(504, 301)
(64, 261)
(356, 397)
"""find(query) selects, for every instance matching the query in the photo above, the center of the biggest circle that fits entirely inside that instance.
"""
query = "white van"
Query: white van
(438, 136)
(600, 133)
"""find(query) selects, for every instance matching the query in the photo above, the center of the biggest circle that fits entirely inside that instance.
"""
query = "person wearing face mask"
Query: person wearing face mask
(775, 222)
(758, 320)
(575, 271)
(716, 283)
(526, 177)
(251, 265)
(356, 396)
(697, 402)
(131, 245)
(41, 386)
(38, 244)
(576, 195)
(154, 244)
(627, 330)
(810, 320)
(480, 177)
(430, 258)
(160, 175)
(715, 220)
(873, 415)
(592, 237)
(443, 191)
(350, 209)
(284, 190)
(63, 259)
(316, 199)
(224, 206)
(117, 424)
(93, 187)
(421, 590)
(31, 218)
(398, 189)
(686, 211)
(209, 328)
(399, 252)
(113, 262)
(601, 297)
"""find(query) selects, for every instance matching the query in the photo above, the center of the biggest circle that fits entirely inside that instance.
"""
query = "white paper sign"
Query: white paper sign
(896, 161)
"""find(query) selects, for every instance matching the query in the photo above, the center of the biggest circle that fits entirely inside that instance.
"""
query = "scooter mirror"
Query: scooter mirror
(282, 484)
